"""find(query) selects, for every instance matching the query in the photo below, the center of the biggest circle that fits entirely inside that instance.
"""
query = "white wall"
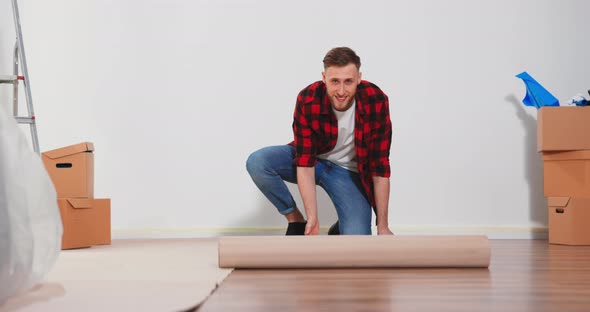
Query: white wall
(176, 94)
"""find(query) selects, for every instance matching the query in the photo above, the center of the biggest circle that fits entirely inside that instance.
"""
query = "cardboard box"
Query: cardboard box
(566, 173)
(86, 222)
(569, 220)
(71, 169)
(102, 221)
(562, 128)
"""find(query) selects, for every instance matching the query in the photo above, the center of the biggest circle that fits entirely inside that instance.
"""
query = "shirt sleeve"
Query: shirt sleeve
(305, 147)
(381, 138)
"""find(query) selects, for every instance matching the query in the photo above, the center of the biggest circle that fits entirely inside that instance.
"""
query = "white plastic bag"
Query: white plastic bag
(30, 222)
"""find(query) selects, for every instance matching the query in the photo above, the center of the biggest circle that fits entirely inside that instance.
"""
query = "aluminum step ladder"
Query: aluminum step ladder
(15, 78)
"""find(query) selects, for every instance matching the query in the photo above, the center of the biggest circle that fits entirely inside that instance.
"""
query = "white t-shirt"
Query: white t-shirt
(343, 153)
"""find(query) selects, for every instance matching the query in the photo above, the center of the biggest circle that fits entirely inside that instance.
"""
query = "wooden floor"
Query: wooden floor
(524, 275)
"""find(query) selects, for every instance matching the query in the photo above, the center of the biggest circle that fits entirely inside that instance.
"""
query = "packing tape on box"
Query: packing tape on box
(347, 251)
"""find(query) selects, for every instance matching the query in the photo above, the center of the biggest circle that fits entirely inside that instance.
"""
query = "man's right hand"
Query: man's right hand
(312, 227)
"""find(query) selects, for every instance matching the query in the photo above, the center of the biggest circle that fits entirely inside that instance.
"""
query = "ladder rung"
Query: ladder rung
(25, 120)
(8, 78)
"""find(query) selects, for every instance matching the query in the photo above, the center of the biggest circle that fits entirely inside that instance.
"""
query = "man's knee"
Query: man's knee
(255, 163)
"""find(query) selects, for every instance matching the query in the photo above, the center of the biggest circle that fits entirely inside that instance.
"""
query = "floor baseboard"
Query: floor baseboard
(493, 232)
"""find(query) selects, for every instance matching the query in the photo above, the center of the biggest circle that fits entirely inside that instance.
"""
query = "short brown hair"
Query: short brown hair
(341, 56)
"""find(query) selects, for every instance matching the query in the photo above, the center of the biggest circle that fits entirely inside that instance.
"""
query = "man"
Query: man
(342, 137)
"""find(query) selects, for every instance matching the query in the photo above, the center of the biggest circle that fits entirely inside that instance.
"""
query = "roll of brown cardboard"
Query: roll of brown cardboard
(266, 252)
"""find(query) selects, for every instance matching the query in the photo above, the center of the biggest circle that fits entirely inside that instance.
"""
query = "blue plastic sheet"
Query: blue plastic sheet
(536, 94)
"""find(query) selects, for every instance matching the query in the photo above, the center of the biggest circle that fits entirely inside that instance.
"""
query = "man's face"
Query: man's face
(341, 83)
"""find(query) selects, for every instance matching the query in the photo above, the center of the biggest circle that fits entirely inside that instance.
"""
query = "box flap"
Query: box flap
(571, 155)
(557, 201)
(80, 203)
(70, 150)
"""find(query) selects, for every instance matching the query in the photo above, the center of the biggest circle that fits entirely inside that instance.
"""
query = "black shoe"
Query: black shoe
(334, 229)
(296, 228)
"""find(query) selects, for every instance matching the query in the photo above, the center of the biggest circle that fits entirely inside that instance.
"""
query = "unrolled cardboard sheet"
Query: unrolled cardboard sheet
(129, 275)
(259, 252)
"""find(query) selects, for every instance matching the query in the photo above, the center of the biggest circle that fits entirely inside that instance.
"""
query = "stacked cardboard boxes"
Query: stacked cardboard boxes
(86, 220)
(563, 138)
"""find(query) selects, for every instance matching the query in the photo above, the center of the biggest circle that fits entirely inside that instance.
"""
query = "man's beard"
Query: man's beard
(347, 105)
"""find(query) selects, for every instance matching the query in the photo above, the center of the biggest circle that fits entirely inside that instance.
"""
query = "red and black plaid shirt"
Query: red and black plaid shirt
(315, 129)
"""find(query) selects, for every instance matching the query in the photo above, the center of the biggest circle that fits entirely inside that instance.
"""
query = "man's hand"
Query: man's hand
(312, 227)
(384, 230)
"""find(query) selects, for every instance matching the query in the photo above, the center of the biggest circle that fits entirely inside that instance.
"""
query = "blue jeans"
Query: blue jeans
(271, 166)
